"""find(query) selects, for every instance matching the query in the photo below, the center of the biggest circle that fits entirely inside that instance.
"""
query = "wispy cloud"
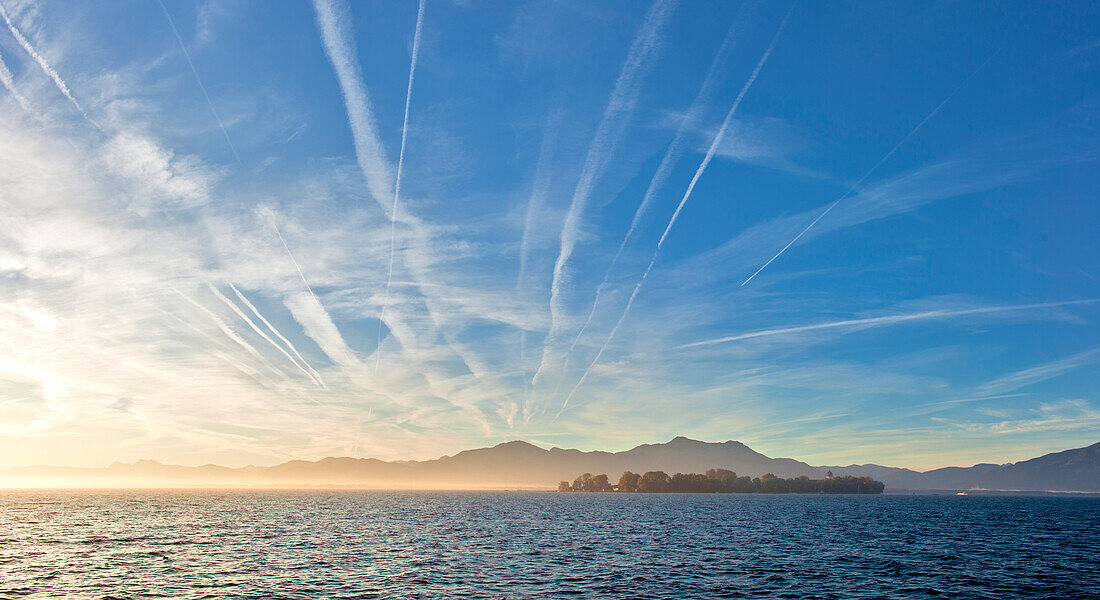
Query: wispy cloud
(98, 231)
(615, 117)
(885, 321)
(871, 171)
(1030, 376)
(233, 335)
(397, 179)
(9, 84)
(318, 325)
(333, 21)
(1066, 138)
(540, 188)
(271, 219)
(1057, 417)
(154, 177)
(687, 194)
(688, 122)
(202, 87)
(43, 64)
(312, 372)
(236, 310)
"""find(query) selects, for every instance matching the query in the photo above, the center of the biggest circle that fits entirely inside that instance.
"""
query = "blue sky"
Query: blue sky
(201, 260)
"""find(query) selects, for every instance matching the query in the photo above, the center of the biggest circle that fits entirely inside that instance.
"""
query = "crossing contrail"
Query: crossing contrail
(229, 333)
(397, 181)
(202, 87)
(333, 22)
(240, 313)
(882, 160)
(687, 194)
(539, 189)
(668, 161)
(246, 370)
(318, 305)
(612, 124)
(316, 376)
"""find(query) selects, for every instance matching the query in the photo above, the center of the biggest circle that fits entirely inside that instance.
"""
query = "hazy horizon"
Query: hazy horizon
(244, 233)
(919, 468)
(520, 465)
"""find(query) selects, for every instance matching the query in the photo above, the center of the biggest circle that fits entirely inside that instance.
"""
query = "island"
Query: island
(722, 481)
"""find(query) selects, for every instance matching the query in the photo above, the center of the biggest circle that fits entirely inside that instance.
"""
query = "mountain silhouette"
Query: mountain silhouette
(518, 464)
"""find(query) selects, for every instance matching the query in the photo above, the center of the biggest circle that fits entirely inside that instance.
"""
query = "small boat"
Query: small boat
(961, 494)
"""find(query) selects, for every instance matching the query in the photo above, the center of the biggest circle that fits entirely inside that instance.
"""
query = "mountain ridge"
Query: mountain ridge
(520, 464)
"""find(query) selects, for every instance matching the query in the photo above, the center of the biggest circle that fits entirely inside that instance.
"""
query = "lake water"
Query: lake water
(348, 544)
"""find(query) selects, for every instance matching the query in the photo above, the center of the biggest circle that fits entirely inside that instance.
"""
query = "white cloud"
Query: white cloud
(154, 176)
(308, 311)
(1032, 375)
(98, 232)
(1057, 416)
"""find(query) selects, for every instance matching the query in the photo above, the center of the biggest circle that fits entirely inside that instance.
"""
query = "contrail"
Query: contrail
(45, 66)
(292, 259)
(668, 161)
(344, 355)
(1042, 372)
(611, 126)
(248, 371)
(202, 87)
(397, 180)
(290, 254)
(539, 189)
(882, 160)
(687, 194)
(887, 320)
(236, 309)
(339, 44)
(255, 311)
(9, 84)
(233, 335)
(340, 48)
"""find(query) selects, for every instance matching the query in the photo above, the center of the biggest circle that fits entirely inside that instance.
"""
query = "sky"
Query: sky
(247, 232)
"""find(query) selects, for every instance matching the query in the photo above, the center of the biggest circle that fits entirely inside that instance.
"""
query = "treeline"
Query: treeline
(722, 481)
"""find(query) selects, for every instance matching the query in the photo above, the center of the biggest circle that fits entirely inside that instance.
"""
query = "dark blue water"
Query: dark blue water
(141, 544)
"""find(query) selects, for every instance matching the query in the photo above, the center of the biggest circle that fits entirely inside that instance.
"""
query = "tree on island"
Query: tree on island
(743, 485)
(653, 481)
(770, 484)
(726, 478)
(722, 481)
(627, 483)
(802, 485)
(590, 483)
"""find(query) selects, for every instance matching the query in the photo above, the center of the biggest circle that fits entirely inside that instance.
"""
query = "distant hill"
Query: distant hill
(1076, 470)
(522, 465)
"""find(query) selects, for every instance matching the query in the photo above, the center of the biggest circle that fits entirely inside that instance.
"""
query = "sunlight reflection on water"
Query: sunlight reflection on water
(351, 544)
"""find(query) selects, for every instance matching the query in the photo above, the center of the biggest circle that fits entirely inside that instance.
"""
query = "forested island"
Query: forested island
(722, 481)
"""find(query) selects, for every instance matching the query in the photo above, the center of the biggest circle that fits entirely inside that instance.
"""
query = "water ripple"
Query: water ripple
(144, 544)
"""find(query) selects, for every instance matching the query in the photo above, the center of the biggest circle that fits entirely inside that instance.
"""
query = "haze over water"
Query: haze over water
(284, 544)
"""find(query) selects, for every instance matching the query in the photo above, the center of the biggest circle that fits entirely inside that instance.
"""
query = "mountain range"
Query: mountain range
(518, 464)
